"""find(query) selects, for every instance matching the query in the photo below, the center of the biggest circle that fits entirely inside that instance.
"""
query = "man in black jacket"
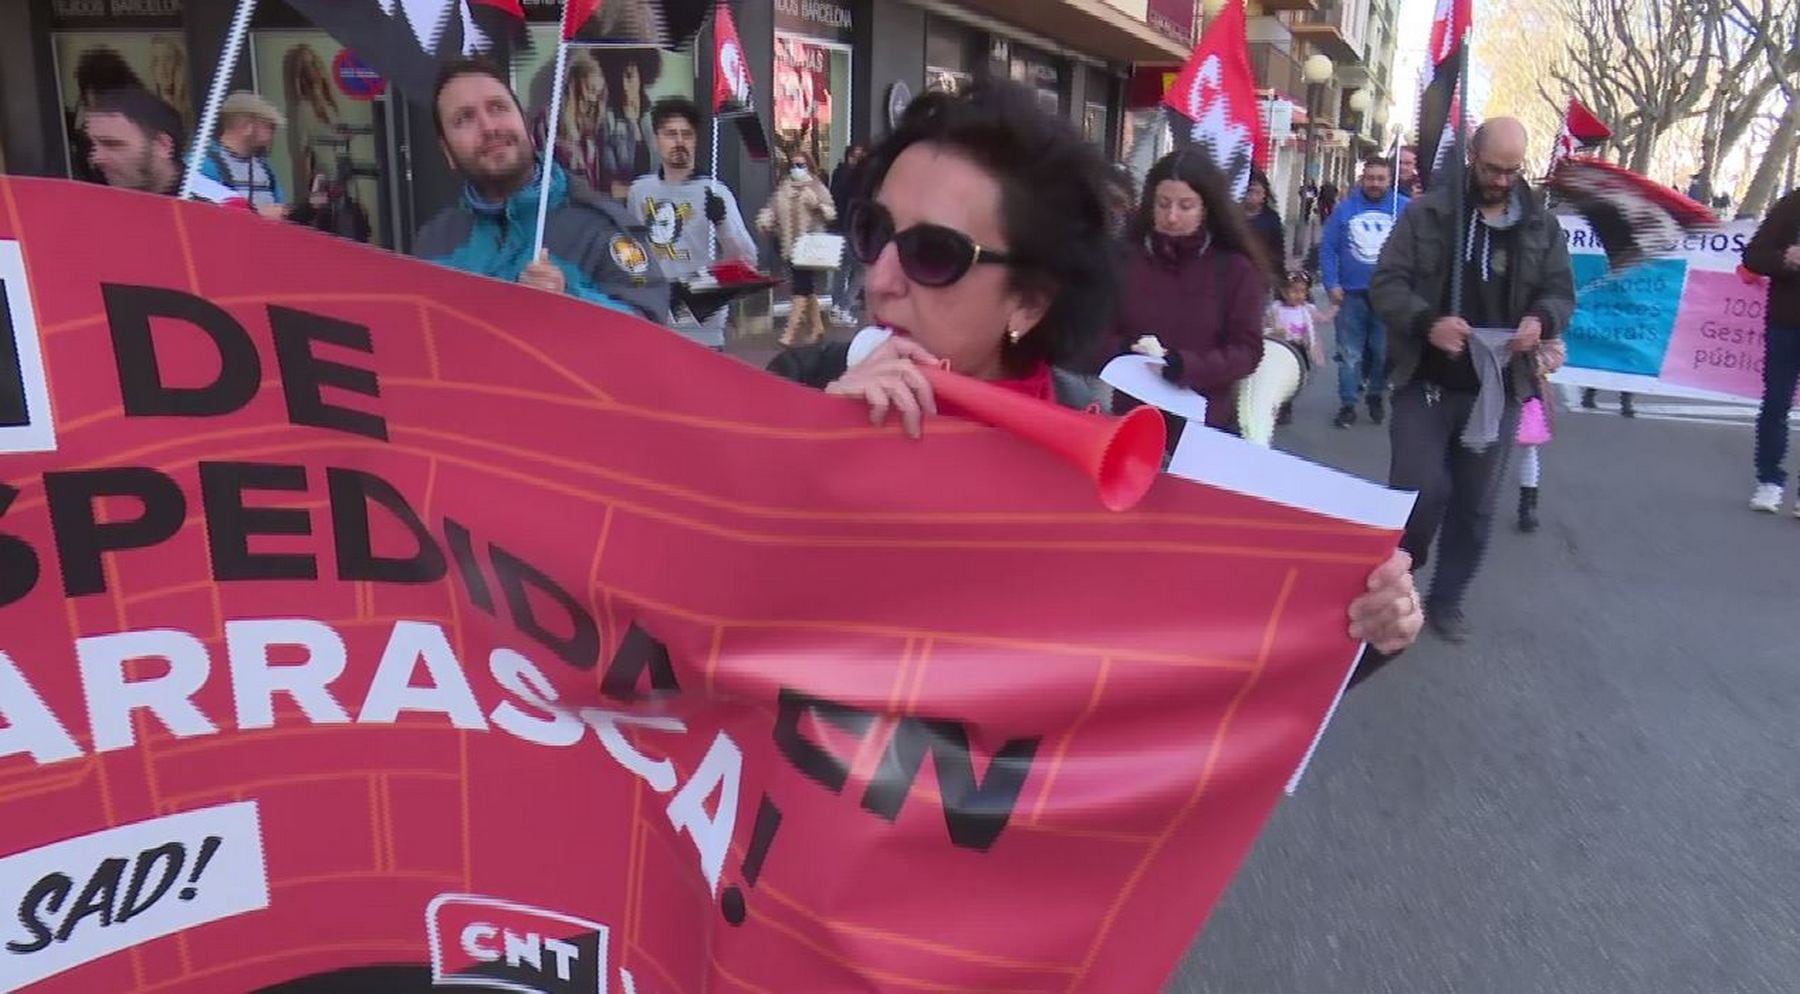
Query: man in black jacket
(1514, 266)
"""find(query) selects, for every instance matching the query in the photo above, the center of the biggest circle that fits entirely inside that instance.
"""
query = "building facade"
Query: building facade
(1320, 130)
(827, 73)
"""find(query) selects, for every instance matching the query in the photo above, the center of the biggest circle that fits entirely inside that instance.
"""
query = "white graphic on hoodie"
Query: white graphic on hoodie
(1368, 233)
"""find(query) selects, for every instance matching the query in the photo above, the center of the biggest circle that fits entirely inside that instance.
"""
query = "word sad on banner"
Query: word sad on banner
(367, 625)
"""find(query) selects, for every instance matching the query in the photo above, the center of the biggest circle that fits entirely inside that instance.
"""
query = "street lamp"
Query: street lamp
(1359, 105)
(1316, 70)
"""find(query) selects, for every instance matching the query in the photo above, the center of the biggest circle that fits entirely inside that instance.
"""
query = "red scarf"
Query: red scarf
(1036, 384)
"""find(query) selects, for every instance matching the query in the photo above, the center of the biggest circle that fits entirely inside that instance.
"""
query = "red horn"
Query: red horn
(1122, 455)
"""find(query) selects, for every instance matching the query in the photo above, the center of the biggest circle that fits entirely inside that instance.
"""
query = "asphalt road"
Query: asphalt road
(1600, 792)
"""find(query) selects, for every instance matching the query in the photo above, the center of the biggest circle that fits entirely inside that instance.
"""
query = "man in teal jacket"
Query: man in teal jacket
(592, 250)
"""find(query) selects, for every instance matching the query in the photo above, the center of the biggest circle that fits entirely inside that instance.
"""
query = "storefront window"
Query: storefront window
(1101, 94)
(92, 62)
(1040, 72)
(950, 51)
(99, 47)
(812, 100)
(603, 132)
(329, 146)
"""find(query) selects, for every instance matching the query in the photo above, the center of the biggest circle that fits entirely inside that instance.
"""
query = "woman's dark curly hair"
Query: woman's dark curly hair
(1224, 217)
(1055, 192)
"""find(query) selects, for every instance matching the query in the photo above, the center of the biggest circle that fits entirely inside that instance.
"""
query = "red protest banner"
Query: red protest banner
(366, 622)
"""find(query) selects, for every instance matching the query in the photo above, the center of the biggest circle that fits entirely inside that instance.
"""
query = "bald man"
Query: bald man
(1456, 388)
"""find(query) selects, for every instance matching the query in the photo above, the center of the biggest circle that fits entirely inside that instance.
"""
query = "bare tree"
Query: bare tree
(1779, 40)
(1745, 78)
(1643, 64)
(1781, 144)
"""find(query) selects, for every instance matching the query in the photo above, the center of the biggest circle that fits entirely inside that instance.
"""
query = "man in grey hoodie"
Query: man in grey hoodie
(1454, 416)
(683, 209)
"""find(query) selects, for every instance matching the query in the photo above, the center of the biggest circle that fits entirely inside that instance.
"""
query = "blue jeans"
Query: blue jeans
(1361, 343)
(1781, 368)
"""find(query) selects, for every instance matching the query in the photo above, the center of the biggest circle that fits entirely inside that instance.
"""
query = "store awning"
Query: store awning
(1092, 27)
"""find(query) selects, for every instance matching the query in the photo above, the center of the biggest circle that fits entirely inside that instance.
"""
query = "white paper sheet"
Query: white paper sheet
(1141, 377)
(1230, 463)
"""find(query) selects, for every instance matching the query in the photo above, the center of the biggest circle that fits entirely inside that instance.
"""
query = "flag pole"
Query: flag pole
(713, 177)
(215, 94)
(1394, 172)
(550, 128)
(1459, 173)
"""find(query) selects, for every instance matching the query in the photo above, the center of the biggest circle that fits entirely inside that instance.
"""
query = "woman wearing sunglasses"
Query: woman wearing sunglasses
(984, 234)
(1195, 281)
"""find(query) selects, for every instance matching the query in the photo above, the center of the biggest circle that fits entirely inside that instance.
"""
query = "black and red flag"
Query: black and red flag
(407, 40)
(1634, 217)
(1212, 101)
(1441, 105)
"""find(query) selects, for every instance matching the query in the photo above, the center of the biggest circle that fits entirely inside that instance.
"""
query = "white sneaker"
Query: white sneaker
(1767, 498)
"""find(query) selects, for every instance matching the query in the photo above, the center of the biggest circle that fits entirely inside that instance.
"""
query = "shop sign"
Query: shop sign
(68, 15)
(1174, 18)
(816, 18)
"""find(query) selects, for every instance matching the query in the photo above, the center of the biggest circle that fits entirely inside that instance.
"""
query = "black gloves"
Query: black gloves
(1172, 367)
(715, 207)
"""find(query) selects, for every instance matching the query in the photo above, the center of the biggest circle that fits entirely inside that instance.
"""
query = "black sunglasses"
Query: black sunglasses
(930, 254)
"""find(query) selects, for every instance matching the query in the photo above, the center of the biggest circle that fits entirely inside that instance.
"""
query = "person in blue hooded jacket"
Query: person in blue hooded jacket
(1348, 250)
(592, 249)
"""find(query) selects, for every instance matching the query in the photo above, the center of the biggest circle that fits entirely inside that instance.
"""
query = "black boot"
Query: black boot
(1528, 506)
(1588, 400)
(1625, 408)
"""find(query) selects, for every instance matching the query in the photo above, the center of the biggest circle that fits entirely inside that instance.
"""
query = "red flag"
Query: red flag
(1214, 96)
(1581, 129)
(1580, 123)
(575, 14)
(1449, 26)
(732, 88)
(731, 71)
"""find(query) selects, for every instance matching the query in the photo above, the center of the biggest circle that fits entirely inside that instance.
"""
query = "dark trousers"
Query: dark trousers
(1457, 487)
(1781, 369)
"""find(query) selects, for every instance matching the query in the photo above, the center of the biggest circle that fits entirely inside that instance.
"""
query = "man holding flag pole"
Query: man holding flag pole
(1467, 290)
(674, 200)
(523, 218)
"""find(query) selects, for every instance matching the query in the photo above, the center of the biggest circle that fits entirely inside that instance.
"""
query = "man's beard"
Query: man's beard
(137, 175)
(497, 176)
(681, 158)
